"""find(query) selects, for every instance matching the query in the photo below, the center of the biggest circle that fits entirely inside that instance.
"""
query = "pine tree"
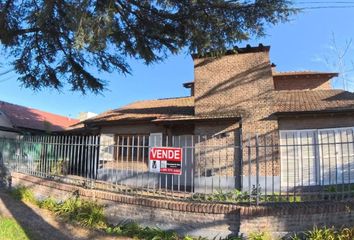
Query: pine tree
(54, 42)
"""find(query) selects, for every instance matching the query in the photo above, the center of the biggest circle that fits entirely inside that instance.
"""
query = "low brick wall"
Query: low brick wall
(200, 219)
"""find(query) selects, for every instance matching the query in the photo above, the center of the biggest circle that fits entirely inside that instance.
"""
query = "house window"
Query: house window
(317, 157)
(132, 148)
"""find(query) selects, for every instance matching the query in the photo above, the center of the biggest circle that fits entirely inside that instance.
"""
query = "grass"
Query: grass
(11, 230)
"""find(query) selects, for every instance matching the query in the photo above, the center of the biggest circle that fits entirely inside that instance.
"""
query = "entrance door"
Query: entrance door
(185, 180)
(336, 148)
(317, 157)
(299, 161)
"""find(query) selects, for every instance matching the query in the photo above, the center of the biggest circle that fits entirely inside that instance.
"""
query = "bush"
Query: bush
(347, 233)
(87, 213)
(48, 203)
(260, 236)
(59, 167)
(134, 230)
(23, 193)
(326, 234)
(321, 233)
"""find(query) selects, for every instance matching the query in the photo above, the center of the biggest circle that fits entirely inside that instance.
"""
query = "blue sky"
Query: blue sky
(301, 44)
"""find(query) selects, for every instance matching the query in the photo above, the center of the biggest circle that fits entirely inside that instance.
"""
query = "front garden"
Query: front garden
(90, 214)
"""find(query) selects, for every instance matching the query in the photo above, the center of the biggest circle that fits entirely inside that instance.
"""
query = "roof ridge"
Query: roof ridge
(146, 100)
(175, 98)
(310, 90)
(298, 71)
(304, 72)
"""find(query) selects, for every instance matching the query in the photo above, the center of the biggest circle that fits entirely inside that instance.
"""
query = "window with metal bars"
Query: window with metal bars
(317, 157)
(131, 147)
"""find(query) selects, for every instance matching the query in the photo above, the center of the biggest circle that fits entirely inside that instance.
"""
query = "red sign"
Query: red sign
(165, 160)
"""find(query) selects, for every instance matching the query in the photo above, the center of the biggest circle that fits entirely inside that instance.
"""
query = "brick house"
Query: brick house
(240, 100)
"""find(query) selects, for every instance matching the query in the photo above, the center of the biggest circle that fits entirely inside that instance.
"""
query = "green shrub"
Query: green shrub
(347, 233)
(91, 214)
(87, 213)
(134, 230)
(59, 167)
(326, 234)
(234, 196)
(23, 193)
(49, 203)
(321, 233)
(237, 196)
(232, 238)
(67, 209)
(259, 236)
(295, 237)
(193, 238)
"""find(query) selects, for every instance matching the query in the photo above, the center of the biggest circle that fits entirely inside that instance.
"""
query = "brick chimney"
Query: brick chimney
(238, 83)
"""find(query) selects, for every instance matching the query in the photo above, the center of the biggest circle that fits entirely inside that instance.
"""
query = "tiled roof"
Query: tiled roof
(200, 117)
(180, 109)
(314, 101)
(149, 110)
(24, 117)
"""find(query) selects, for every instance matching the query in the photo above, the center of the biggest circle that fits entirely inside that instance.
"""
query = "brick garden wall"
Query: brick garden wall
(202, 219)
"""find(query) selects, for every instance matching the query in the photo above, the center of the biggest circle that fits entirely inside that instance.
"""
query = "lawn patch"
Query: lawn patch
(11, 230)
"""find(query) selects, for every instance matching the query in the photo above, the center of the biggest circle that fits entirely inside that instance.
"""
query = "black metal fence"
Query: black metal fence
(292, 167)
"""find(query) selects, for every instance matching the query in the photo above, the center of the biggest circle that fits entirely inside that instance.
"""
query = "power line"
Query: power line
(310, 5)
(325, 2)
(7, 79)
(325, 7)
(6, 72)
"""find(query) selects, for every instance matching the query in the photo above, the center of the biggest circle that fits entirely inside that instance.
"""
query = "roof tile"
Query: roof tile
(315, 100)
(149, 110)
(31, 118)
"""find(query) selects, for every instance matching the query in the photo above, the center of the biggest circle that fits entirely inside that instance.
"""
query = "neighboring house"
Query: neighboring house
(243, 100)
(16, 119)
(86, 115)
(6, 129)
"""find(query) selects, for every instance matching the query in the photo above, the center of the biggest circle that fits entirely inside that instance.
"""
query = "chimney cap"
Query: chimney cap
(234, 50)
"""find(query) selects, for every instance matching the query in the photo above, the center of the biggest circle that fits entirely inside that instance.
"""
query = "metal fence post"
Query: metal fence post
(257, 170)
